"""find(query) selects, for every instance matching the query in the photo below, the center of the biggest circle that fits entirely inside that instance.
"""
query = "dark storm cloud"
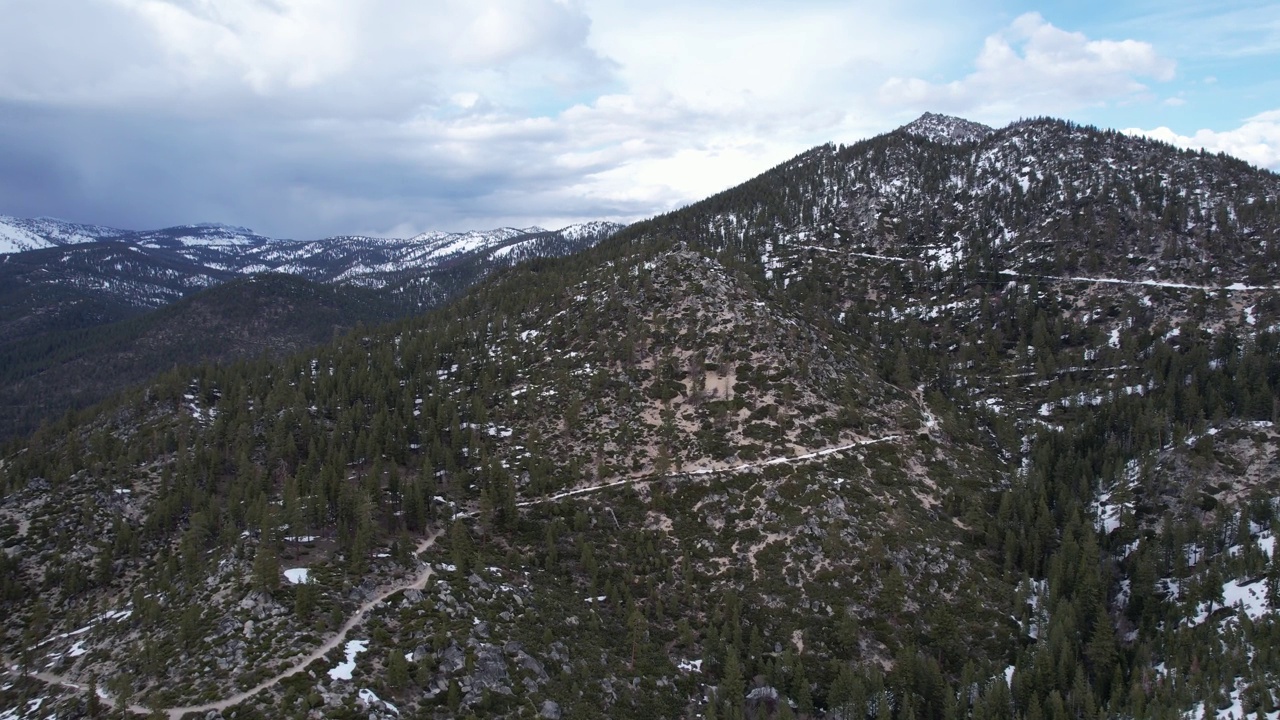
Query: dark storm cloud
(294, 120)
(282, 178)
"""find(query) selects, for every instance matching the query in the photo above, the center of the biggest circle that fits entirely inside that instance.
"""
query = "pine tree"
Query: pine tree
(304, 600)
(460, 544)
(732, 687)
(266, 569)
(638, 628)
(397, 670)
(1102, 651)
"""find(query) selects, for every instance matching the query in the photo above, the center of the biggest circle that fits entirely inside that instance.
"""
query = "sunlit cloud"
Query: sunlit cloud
(1033, 64)
(1257, 140)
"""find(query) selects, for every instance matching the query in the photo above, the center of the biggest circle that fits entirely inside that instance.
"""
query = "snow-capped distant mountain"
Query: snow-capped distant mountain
(198, 235)
(58, 277)
(22, 234)
(147, 269)
(595, 228)
(436, 246)
(388, 262)
(946, 129)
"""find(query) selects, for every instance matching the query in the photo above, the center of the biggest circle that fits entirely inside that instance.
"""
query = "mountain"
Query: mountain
(21, 234)
(908, 428)
(426, 268)
(267, 315)
(83, 281)
(153, 268)
(92, 283)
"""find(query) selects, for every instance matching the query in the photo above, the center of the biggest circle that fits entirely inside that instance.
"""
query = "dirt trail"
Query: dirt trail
(1234, 287)
(102, 695)
(416, 582)
(804, 457)
(419, 581)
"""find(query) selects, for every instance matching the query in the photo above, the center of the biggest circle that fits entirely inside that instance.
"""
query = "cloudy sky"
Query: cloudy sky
(305, 118)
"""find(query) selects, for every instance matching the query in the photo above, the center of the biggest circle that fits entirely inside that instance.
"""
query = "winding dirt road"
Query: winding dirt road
(419, 580)
(416, 582)
(699, 472)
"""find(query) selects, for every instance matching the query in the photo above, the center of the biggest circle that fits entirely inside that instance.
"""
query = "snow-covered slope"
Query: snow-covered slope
(22, 234)
(440, 245)
(589, 229)
(379, 262)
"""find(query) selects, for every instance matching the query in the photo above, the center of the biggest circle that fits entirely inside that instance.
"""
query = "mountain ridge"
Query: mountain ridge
(45, 232)
(220, 251)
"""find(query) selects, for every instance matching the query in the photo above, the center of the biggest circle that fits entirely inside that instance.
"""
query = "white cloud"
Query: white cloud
(335, 56)
(307, 117)
(291, 43)
(453, 112)
(751, 56)
(1032, 67)
(1256, 141)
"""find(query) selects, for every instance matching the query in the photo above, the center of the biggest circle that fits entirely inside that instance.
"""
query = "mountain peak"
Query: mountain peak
(946, 129)
(239, 229)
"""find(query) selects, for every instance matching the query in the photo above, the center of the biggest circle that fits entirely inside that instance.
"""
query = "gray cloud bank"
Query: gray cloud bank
(305, 118)
(293, 118)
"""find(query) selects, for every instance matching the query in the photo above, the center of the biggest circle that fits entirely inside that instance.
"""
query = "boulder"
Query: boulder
(491, 670)
(452, 659)
(530, 663)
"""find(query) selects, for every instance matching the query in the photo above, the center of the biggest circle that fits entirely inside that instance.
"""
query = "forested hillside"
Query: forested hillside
(951, 423)
(57, 371)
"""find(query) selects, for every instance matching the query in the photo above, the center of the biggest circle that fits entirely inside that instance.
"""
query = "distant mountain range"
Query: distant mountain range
(61, 280)
(51, 270)
(214, 251)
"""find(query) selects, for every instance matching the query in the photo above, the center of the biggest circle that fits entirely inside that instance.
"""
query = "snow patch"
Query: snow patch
(1249, 596)
(344, 669)
(368, 697)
